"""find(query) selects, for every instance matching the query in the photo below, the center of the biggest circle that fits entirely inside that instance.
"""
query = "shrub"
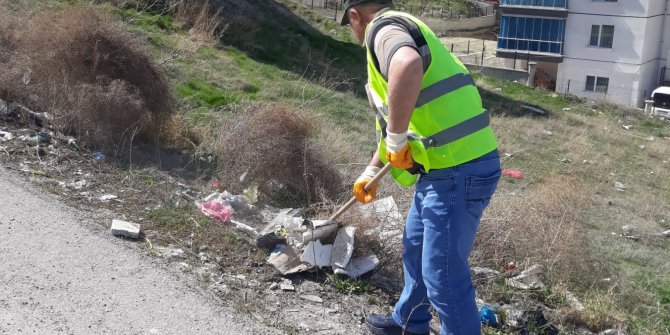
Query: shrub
(269, 146)
(96, 80)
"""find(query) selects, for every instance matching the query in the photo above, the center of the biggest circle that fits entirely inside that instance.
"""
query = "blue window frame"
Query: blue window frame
(536, 3)
(530, 34)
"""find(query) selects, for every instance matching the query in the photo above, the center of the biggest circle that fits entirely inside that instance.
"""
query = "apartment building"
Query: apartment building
(616, 50)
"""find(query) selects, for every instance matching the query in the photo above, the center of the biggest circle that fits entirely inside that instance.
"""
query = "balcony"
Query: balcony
(533, 38)
(538, 8)
(555, 4)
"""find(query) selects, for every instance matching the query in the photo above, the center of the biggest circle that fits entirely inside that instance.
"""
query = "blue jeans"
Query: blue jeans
(438, 237)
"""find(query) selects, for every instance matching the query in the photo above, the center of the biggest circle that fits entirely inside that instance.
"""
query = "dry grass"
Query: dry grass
(540, 226)
(99, 83)
(269, 146)
(197, 17)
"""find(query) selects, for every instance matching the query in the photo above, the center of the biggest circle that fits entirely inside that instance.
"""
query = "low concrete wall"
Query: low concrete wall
(441, 27)
(498, 73)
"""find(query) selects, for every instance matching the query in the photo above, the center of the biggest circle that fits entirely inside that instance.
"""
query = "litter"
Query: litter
(359, 266)
(251, 193)
(319, 233)
(488, 317)
(317, 254)
(534, 110)
(98, 156)
(516, 174)
(286, 260)
(343, 247)
(217, 210)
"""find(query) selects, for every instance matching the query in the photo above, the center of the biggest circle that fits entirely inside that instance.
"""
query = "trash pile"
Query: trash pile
(296, 244)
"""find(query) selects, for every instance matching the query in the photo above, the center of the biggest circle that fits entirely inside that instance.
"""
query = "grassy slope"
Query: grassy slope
(214, 82)
(589, 143)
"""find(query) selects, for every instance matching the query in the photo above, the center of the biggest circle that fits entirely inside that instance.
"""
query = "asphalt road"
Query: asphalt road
(61, 273)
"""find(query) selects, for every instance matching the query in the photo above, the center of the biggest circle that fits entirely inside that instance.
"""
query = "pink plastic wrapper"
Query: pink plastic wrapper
(217, 211)
(516, 174)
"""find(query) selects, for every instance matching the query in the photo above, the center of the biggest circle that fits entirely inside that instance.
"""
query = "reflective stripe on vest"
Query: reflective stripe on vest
(443, 87)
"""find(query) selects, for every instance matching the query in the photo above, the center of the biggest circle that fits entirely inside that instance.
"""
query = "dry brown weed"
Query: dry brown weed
(97, 81)
(269, 146)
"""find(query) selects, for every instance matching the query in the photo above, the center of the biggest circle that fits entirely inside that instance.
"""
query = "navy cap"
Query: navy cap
(351, 3)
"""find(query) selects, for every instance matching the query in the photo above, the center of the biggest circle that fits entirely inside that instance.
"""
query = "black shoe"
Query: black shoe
(385, 325)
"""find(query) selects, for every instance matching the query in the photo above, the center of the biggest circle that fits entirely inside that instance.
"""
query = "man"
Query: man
(432, 129)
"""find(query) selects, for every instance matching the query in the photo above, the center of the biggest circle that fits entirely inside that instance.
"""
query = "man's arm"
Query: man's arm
(375, 160)
(404, 79)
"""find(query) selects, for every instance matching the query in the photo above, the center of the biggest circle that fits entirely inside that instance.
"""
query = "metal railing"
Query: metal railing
(334, 9)
(536, 3)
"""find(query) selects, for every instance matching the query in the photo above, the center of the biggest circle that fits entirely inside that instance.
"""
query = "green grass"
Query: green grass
(146, 20)
(348, 285)
(206, 93)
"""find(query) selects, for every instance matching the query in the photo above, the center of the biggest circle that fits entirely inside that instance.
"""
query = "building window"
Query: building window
(597, 84)
(536, 3)
(602, 36)
(532, 34)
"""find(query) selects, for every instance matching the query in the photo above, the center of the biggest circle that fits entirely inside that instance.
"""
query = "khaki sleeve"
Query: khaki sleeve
(387, 42)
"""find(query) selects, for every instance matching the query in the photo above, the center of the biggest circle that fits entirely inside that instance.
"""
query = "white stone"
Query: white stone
(127, 229)
(169, 252)
(317, 254)
(612, 332)
(666, 233)
(359, 266)
(108, 197)
(6, 136)
(619, 186)
(573, 301)
(286, 287)
(343, 247)
(312, 298)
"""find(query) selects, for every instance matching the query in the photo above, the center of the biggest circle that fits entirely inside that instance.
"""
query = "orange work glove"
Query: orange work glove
(360, 193)
(398, 152)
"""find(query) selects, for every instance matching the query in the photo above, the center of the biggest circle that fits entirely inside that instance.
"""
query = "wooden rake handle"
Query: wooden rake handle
(352, 201)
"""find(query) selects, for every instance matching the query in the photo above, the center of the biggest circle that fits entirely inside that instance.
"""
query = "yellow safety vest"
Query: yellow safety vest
(448, 126)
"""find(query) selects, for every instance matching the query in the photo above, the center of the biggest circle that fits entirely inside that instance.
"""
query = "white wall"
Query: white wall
(622, 7)
(628, 44)
(632, 64)
(623, 80)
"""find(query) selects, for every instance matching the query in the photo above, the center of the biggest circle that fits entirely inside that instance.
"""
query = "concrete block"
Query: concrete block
(127, 229)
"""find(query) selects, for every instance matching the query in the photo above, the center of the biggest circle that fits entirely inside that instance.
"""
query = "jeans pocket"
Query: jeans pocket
(478, 193)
